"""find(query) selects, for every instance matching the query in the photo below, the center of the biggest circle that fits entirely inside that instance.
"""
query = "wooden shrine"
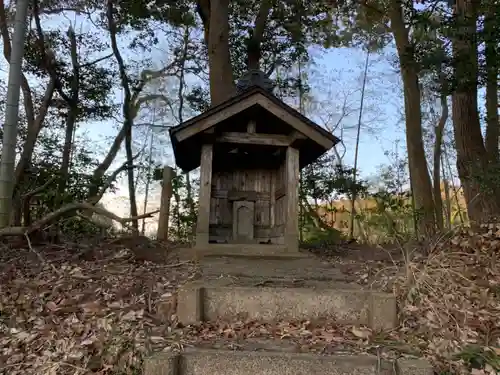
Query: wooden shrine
(250, 150)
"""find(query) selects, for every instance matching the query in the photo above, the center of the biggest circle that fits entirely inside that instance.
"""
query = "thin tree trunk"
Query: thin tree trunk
(446, 186)
(257, 35)
(129, 111)
(438, 200)
(189, 188)
(455, 192)
(356, 150)
(419, 174)
(130, 178)
(48, 62)
(254, 61)
(189, 197)
(8, 158)
(71, 119)
(148, 178)
(177, 211)
(101, 169)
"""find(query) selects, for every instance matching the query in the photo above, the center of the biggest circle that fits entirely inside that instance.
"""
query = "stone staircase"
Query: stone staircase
(225, 362)
(279, 289)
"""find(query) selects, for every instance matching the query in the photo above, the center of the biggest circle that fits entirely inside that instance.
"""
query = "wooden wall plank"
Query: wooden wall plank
(230, 187)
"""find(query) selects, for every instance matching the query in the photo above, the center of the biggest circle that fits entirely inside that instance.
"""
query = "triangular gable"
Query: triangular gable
(244, 101)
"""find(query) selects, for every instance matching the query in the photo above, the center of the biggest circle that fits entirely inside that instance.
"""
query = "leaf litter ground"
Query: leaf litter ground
(449, 300)
(75, 313)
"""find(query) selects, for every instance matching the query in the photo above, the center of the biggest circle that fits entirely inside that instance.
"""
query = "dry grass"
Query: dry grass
(450, 303)
(449, 300)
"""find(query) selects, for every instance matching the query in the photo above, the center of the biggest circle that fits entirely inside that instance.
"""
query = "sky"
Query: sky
(381, 114)
(335, 78)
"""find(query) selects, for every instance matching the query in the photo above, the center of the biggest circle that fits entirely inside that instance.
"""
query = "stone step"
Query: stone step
(242, 250)
(227, 362)
(309, 268)
(227, 298)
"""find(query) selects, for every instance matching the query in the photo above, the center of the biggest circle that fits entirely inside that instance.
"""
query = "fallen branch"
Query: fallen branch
(70, 208)
(121, 220)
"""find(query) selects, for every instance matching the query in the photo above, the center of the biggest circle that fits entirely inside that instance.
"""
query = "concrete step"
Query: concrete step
(226, 362)
(246, 298)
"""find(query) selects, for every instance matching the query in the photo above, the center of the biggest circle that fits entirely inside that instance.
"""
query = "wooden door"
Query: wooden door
(243, 221)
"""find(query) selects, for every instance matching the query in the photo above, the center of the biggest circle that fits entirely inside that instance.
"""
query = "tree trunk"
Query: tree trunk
(129, 111)
(446, 186)
(189, 189)
(472, 158)
(222, 85)
(189, 197)
(176, 214)
(34, 128)
(148, 179)
(438, 201)
(66, 155)
(215, 17)
(70, 120)
(130, 178)
(356, 149)
(34, 122)
(492, 124)
(451, 178)
(257, 35)
(8, 158)
(101, 169)
(419, 174)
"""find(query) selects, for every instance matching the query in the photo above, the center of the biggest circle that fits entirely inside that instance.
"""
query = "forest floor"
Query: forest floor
(100, 306)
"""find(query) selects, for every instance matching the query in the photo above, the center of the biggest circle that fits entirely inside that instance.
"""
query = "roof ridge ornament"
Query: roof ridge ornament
(255, 78)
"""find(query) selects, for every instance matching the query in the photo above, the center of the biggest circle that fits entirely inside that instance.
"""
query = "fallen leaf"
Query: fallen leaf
(87, 342)
(362, 333)
(51, 306)
(157, 339)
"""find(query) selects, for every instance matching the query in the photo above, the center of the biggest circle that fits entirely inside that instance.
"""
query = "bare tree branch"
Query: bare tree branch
(125, 166)
(39, 189)
(90, 63)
